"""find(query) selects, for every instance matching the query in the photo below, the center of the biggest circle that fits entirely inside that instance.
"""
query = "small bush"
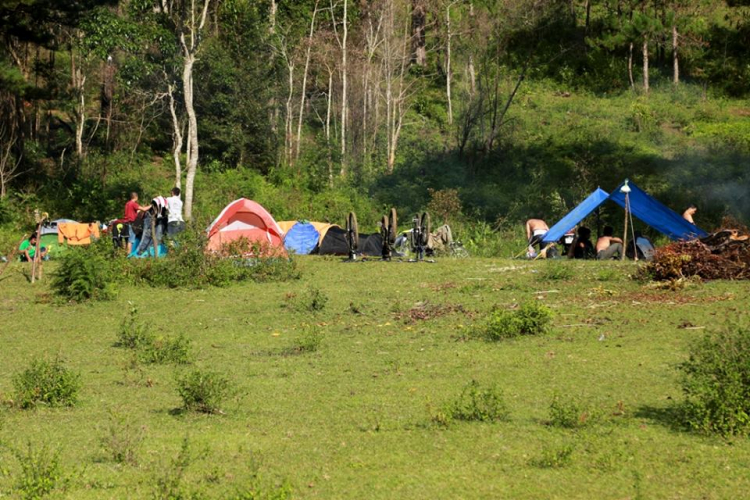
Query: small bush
(716, 383)
(259, 489)
(174, 350)
(132, 333)
(475, 404)
(203, 391)
(48, 383)
(122, 439)
(555, 271)
(137, 336)
(189, 265)
(84, 274)
(41, 472)
(572, 413)
(530, 318)
(308, 341)
(169, 480)
(554, 457)
(315, 300)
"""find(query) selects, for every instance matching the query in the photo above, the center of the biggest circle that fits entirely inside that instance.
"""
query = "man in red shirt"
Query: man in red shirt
(131, 213)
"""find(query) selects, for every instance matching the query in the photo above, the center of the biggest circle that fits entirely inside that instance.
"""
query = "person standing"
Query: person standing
(175, 223)
(131, 213)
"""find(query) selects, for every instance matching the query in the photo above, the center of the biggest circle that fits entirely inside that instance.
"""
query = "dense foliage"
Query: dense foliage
(315, 108)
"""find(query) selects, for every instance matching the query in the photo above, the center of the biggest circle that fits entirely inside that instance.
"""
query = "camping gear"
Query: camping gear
(641, 205)
(302, 238)
(335, 243)
(118, 230)
(49, 235)
(148, 252)
(352, 235)
(246, 219)
(77, 233)
(389, 232)
(420, 235)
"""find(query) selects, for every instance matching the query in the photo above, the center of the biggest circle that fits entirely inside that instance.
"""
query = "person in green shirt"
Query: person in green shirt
(28, 249)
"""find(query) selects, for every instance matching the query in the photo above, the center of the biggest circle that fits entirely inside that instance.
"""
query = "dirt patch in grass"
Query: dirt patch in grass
(423, 311)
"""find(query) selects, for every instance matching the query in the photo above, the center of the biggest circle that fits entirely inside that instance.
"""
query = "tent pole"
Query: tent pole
(632, 233)
(625, 235)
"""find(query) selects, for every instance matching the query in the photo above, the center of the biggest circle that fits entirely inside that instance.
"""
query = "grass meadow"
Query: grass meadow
(337, 377)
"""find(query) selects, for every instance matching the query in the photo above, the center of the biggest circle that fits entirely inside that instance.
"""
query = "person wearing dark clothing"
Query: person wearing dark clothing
(582, 247)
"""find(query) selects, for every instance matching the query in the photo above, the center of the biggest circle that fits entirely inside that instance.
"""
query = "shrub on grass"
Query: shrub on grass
(475, 404)
(48, 383)
(132, 333)
(530, 318)
(309, 341)
(259, 489)
(716, 383)
(137, 336)
(554, 457)
(203, 391)
(41, 472)
(555, 271)
(189, 265)
(122, 439)
(174, 350)
(572, 413)
(84, 274)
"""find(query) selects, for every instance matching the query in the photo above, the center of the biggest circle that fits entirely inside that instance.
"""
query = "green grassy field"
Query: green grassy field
(353, 418)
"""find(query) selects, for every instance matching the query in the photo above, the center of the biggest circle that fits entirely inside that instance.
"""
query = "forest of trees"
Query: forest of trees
(524, 106)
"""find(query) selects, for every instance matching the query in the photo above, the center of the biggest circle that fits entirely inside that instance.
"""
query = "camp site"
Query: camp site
(383, 249)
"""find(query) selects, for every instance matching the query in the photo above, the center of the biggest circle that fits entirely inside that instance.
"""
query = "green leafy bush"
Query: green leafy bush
(189, 265)
(41, 472)
(84, 274)
(132, 333)
(309, 341)
(572, 413)
(555, 271)
(48, 383)
(203, 391)
(475, 404)
(554, 457)
(149, 349)
(716, 383)
(530, 318)
(122, 438)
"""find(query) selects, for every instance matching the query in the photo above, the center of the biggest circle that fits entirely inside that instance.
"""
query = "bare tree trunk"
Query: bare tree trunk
(289, 117)
(328, 126)
(189, 49)
(344, 96)
(448, 73)
(675, 56)
(630, 66)
(304, 82)
(418, 22)
(272, 17)
(645, 64)
(78, 82)
(176, 138)
(472, 73)
(192, 146)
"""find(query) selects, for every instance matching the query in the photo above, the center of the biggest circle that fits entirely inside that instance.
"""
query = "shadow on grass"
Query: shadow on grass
(670, 417)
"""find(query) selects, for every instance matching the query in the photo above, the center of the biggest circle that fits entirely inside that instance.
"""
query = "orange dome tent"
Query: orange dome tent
(247, 219)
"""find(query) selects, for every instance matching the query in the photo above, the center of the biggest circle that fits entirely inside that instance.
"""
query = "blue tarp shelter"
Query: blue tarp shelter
(302, 238)
(644, 207)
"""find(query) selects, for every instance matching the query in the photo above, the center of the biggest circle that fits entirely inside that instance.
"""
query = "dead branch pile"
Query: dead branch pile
(724, 254)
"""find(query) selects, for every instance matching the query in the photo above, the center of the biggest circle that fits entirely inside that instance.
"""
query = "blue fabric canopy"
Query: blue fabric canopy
(302, 238)
(576, 215)
(656, 214)
(642, 206)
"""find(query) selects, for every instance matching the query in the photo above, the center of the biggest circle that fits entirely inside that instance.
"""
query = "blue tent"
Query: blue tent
(302, 238)
(642, 206)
